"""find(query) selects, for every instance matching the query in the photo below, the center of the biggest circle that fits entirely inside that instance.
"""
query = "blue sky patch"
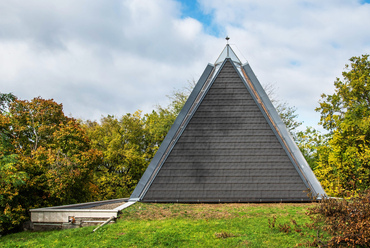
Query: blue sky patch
(335, 45)
(193, 9)
(295, 63)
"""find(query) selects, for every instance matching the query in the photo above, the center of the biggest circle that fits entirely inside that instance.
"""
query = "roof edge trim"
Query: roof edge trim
(301, 163)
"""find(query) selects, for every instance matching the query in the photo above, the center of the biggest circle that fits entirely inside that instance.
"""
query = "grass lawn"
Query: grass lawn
(182, 225)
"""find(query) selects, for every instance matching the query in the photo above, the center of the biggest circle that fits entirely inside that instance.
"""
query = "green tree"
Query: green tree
(159, 121)
(128, 144)
(5, 100)
(289, 117)
(45, 157)
(346, 115)
(123, 145)
(288, 114)
(11, 210)
(313, 145)
(12, 213)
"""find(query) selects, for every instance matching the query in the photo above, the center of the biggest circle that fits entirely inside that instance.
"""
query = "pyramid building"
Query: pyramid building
(228, 144)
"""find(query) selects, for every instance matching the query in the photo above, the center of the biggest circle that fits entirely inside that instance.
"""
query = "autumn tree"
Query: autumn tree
(287, 113)
(5, 101)
(160, 120)
(313, 145)
(46, 159)
(346, 115)
(128, 144)
(11, 179)
(123, 146)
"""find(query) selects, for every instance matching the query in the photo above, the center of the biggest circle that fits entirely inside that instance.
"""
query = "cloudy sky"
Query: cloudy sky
(101, 57)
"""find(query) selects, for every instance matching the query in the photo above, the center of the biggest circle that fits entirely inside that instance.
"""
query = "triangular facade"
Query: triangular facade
(228, 144)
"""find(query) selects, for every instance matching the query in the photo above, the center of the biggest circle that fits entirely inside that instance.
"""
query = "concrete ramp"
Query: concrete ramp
(77, 215)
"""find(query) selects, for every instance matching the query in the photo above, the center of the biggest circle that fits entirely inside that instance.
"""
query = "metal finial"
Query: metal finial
(227, 39)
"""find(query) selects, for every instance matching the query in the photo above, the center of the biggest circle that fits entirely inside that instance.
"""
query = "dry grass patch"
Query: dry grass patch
(159, 211)
(224, 235)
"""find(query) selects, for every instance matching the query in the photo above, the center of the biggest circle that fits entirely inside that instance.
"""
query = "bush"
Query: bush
(347, 221)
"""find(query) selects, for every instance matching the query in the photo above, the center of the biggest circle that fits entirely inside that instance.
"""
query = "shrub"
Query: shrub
(347, 221)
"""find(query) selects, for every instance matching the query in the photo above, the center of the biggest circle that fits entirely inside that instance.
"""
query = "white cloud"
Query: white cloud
(188, 28)
(301, 46)
(98, 57)
(112, 57)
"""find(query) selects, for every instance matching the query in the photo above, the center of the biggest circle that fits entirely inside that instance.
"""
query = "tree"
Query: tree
(128, 144)
(313, 145)
(159, 121)
(46, 159)
(287, 113)
(289, 117)
(123, 146)
(346, 115)
(5, 100)
(11, 210)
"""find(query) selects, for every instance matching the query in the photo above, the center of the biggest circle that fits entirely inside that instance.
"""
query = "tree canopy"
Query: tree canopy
(345, 163)
(46, 159)
(128, 144)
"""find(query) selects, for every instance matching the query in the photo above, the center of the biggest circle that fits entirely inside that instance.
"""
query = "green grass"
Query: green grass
(181, 225)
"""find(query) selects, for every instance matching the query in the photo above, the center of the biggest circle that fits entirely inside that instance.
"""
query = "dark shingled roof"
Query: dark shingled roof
(227, 146)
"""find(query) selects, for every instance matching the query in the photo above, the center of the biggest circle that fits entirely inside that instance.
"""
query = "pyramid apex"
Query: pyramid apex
(228, 52)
